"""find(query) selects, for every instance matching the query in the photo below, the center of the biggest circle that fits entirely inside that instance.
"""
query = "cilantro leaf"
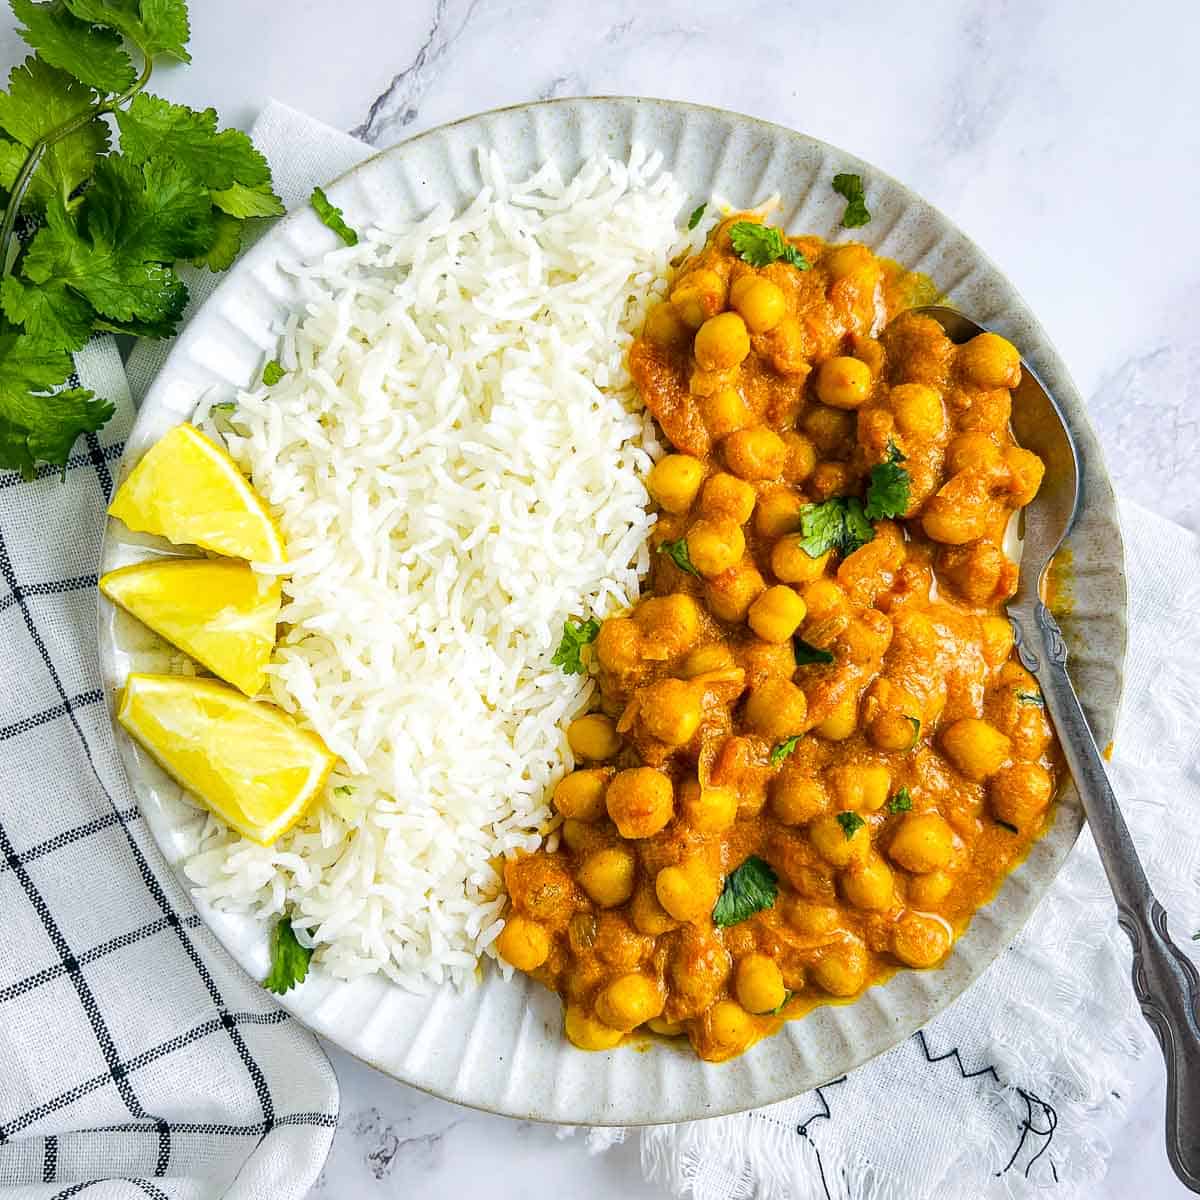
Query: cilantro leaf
(332, 216)
(94, 56)
(850, 822)
(887, 491)
(786, 747)
(1007, 825)
(762, 244)
(749, 889)
(697, 213)
(806, 654)
(39, 99)
(677, 552)
(154, 26)
(851, 186)
(272, 373)
(915, 722)
(574, 638)
(838, 524)
(859, 530)
(289, 959)
(900, 802)
(51, 313)
(227, 241)
(1034, 698)
(238, 200)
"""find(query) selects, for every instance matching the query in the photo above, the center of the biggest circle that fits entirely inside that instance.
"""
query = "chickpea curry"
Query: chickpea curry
(814, 754)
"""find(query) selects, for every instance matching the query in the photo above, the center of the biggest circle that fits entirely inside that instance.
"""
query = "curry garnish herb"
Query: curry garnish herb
(749, 889)
(332, 216)
(226, 407)
(760, 245)
(344, 789)
(289, 959)
(574, 638)
(851, 187)
(273, 373)
(677, 552)
(806, 653)
(697, 213)
(915, 722)
(888, 487)
(837, 524)
(784, 749)
(788, 997)
(1007, 825)
(900, 802)
(850, 822)
(1031, 698)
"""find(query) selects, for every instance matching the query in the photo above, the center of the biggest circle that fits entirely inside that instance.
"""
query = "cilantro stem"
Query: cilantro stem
(39, 148)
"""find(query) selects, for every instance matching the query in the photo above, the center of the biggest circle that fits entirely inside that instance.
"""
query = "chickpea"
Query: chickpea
(776, 709)
(730, 594)
(698, 295)
(996, 637)
(918, 409)
(920, 939)
(593, 736)
(730, 1026)
(978, 450)
(688, 891)
(724, 412)
(704, 659)
(825, 598)
(588, 1032)
(842, 968)
(977, 748)
(1026, 471)
(867, 638)
(777, 512)
(831, 429)
(671, 711)
(630, 1000)
(664, 1028)
(648, 916)
(801, 457)
(674, 481)
(1021, 793)
(708, 809)
(761, 303)
(786, 347)
(669, 624)
(797, 799)
(707, 383)
(607, 876)
(842, 721)
(728, 498)
(721, 342)
(791, 563)
(523, 943)
(990, 361)
(927, 890)
(838, 844)
(640, 802)
(868, 884)
(715, 546)
(843, 382)
(829, 479)
(665, 327)
(961, 508)
(810, 918)
(924, 842)
(890, 730)
(777, 613)
(846, 260)
(581, 836)
(619, 645)
(759, 984)
(861, 786)
(757, 453)
(580, 795)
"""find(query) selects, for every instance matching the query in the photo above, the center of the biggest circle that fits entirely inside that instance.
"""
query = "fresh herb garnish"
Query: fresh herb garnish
(697, 213)
(837, 524)
(226, 406)
(900, 802)
(915, 722)
(677, 552)
(1031, 698)
(332, 216)
(784, 749)
(806, 653)
(574, 638)
(1007, 825)
(850, 822)
(345, 789)
(289, 959)
(851, 186)
(749, 889)
(111, 223)
(762, 244)
(888, 486)
(272, 373)
(788, 997)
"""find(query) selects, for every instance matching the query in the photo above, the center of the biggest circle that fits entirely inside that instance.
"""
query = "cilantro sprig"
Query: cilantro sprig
(697, 214)
(762, 244)
(749, 889)
(289, 959)
(785, 749)
(112, 223)
(900, 802)
(677, 552)
(851, 187)
(805, 654)
(273, 372)
(574, 638)
(850, 822)
(888, 486)
(333, 216)
(838, 524)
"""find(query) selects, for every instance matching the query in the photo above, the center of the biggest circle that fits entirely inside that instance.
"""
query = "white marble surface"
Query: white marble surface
(1061, 136)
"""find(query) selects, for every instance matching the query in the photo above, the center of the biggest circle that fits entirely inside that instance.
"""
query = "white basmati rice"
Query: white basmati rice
(455, 458)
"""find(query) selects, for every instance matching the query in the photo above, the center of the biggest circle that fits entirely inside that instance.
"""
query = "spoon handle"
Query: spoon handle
(1165, 981)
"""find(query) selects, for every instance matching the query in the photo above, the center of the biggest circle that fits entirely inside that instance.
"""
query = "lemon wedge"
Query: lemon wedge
(248, 762)
(188, 490)
(221, 613)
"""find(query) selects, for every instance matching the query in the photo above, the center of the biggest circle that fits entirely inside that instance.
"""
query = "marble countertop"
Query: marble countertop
(1060, 136)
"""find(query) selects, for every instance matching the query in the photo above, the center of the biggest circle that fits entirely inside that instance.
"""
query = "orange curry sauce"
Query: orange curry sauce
(879, 794)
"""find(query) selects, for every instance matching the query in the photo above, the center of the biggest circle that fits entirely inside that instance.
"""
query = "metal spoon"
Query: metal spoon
(1165, 981)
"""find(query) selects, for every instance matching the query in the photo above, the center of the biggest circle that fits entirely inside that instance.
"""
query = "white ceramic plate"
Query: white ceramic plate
(500, 1047)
